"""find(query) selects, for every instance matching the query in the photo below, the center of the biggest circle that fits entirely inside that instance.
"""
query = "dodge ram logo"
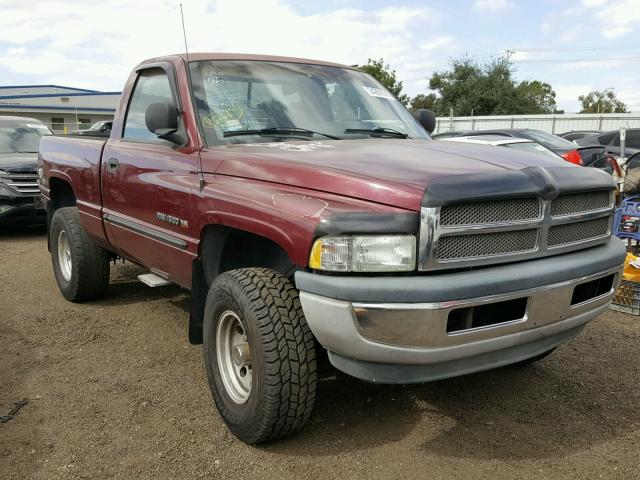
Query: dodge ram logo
(163, 217)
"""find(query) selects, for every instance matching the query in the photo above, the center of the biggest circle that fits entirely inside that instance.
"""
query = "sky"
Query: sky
(575, 45)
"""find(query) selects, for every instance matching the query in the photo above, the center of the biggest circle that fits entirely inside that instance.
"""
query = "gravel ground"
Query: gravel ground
(116, 391)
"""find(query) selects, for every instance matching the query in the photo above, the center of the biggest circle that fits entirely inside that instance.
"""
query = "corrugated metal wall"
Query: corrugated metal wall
(550, 123)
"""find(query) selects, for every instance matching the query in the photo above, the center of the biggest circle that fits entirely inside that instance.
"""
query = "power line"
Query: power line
(581, 60)
(578, 49)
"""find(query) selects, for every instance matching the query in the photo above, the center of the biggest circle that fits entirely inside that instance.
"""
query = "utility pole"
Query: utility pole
(451, 119)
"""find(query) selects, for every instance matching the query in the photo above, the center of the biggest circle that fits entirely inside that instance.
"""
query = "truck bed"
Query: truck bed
(76, 160)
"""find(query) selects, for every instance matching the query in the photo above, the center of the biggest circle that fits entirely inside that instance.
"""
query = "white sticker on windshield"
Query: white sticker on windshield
(36, 125)
(231, 124)
(214, 79)
(293, 147)
(378, 92)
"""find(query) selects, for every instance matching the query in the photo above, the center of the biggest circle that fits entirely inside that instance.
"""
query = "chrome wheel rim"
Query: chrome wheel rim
(234, 357)
(64, 256)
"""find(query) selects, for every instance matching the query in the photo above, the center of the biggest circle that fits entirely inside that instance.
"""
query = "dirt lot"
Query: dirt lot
(116, 391)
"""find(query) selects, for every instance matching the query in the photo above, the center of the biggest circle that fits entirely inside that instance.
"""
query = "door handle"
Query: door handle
(112, 165)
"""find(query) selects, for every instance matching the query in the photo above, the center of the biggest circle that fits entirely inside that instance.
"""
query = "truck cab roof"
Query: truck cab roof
(212, 56)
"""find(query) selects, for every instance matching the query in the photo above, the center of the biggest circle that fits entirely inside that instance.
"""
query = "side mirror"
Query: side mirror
(426, 118)
(162, 119)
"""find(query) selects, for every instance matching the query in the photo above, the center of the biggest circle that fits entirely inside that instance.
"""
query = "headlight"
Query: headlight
(364, 253)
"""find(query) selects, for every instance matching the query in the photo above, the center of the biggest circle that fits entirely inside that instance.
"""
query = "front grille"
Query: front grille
(25, 183)
(578, 232)
(496, 211)
(480, 245)
(488, 232)
(572, 203)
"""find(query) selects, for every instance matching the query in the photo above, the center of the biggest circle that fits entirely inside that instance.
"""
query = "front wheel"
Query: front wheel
(259, 354)
(81, 268)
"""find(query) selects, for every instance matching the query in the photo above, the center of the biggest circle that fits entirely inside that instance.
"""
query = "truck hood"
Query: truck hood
(393, 172)
(18, 161)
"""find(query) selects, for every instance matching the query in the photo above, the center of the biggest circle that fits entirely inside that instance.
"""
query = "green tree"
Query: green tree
(537, 97)
(457, 87)
(601, 102)
(428, 101)
(387, 77)
(489, 88)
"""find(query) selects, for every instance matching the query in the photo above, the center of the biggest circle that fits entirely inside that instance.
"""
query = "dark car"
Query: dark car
(548, 140)
(556, 144)
(20, 202)
(98, 129)
(611, 141)
(573, 135)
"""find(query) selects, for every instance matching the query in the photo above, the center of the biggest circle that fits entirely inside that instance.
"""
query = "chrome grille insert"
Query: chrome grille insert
(571, 233)
(487, 244)
(571, 203)
(496, 211)
(506, 230)
(21, 182)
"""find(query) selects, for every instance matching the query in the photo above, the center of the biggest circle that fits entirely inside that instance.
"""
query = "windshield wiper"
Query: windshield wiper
(378, 132)
(295, 131)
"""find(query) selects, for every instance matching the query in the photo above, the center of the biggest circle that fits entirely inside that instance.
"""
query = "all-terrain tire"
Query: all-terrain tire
(282, 352)
(87, 276)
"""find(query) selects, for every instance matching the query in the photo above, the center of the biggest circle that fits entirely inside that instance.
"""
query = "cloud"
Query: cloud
(96, 44)
(570, 93)
(491, 5)
(443, 42)
(518, 55)
(615, 17)
(627, 91)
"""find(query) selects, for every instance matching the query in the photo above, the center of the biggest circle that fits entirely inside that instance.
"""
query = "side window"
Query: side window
(152, 86)
(616, 140)
(607, 138)
(633, 139)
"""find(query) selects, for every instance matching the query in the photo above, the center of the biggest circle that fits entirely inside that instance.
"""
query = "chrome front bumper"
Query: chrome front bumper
(372, 340)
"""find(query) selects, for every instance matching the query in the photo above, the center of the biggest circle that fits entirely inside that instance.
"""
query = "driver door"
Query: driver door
(147, 184)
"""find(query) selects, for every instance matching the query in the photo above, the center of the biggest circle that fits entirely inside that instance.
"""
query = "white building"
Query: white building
(62, 108)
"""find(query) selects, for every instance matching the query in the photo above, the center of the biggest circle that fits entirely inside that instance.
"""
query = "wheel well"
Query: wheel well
(61, 194)
(224, 248)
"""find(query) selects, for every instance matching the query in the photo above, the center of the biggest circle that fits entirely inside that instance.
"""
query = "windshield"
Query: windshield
(533, 148)
(21, 138)
(321, 102)
(550, 140)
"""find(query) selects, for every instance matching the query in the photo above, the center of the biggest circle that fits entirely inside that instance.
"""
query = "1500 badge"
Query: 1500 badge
(163, 217)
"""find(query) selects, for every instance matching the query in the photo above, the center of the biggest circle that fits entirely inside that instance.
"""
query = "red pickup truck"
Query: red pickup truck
(315, 222)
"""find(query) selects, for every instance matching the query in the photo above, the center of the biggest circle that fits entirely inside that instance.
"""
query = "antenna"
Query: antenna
(186, 51)
(184, 33)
